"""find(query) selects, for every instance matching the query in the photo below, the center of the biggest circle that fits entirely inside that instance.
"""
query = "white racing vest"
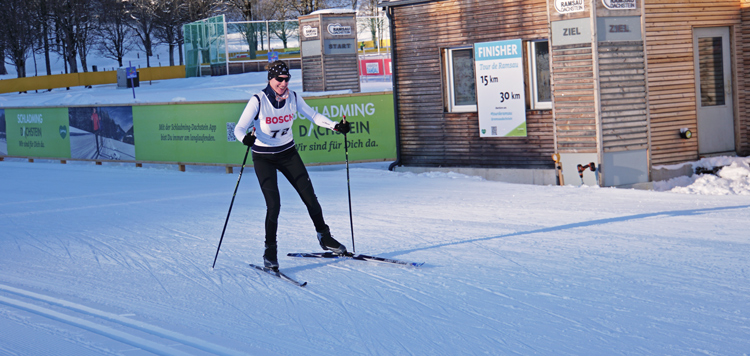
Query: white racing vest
(273, 127)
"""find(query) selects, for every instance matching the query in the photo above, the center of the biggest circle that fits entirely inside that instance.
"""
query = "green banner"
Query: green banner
(372, 137)
(40, 132)
(190, 133)
(204, 133)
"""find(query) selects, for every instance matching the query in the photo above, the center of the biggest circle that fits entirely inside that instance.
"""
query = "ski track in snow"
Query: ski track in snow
(511, 269)
(125, 337)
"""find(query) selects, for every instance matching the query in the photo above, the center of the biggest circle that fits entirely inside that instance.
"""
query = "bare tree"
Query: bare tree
(74, 21)
(296, 8)
(202, 9)
(85, 34)
(143, 14)
(305, 7)
(250, 10)
(67, 15)
(113, 33)
(3, 70)
(168, 24)
(18, 37)
(376, 23)
(284, 30)
(43, 18)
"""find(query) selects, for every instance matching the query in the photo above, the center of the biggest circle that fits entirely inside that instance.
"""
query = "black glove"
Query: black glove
(344, 127)
(249, 140)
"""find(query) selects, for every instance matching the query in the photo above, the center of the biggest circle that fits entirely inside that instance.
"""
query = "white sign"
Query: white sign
(569, 6)
(501, 102)
(338, 29)
(372, 68)
(310, 31)
(619, 4)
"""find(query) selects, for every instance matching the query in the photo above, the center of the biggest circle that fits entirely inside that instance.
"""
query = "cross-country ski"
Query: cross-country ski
(276, 273)
(355, 256)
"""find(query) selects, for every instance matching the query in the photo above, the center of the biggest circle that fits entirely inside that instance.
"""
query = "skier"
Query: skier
(270, 114)
(95, 122)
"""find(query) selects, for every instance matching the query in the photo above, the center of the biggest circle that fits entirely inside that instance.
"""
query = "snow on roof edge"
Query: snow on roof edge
(333, 11)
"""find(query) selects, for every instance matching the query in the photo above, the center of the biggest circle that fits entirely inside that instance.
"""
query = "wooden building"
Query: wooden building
(328, 44)
(621, 84)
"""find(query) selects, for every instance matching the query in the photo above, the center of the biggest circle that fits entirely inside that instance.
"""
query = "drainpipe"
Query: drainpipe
(394, 76)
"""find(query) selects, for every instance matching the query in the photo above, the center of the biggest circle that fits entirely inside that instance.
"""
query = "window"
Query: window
(460, 87)
(711, 68)
(460, 81)
(539, 75)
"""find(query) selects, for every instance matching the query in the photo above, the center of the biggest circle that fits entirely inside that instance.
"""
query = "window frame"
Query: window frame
(449, 92)
(534, 103)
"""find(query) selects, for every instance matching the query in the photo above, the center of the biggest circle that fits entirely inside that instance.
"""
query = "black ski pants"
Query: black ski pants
(291, 166)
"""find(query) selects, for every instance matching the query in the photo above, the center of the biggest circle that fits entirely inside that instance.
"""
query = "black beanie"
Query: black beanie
(278, 68)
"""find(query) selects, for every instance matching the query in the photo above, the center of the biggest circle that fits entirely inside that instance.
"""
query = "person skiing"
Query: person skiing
(270, 114)
(95, 123)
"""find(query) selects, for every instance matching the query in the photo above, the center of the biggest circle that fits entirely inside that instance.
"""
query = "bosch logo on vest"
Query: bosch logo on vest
(279, 119)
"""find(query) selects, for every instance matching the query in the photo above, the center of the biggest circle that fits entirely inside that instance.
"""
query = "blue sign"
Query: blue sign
(131, 73)
(273, 56)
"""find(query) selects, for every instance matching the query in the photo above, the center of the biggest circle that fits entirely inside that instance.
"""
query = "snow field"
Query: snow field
(511, 269)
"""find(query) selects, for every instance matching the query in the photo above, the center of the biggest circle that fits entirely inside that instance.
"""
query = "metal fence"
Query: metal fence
(212, 44)
(205, 44)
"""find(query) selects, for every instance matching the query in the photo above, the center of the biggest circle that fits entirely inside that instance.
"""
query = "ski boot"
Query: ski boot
(327, 242)
(269, 257)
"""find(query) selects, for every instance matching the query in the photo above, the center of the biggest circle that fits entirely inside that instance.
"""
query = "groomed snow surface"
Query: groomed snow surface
(116, 260)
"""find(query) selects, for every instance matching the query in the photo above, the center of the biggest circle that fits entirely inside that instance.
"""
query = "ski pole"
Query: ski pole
(348, 187)
(230, 206)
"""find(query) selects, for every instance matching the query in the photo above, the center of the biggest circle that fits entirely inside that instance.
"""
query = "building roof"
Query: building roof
(333, 11)
(394, 3)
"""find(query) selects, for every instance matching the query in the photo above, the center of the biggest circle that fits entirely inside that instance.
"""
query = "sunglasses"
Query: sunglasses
(283, 79)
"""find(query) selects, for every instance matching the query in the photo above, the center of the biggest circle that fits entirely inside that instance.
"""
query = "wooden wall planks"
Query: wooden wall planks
(429, 135)
(671, 75)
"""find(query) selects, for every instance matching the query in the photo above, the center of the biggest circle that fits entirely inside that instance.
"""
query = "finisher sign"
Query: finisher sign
(501, 102)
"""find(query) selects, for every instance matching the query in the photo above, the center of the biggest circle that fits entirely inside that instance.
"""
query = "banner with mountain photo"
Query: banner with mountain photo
(3, 135)
(102, 133)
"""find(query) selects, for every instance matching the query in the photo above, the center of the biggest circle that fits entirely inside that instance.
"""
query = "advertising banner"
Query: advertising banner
(204, 133)
(373, 135)
(39, 132)
(375, 66)
(104, 133)
(192, 133)
(501, 102)
(3, 138)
